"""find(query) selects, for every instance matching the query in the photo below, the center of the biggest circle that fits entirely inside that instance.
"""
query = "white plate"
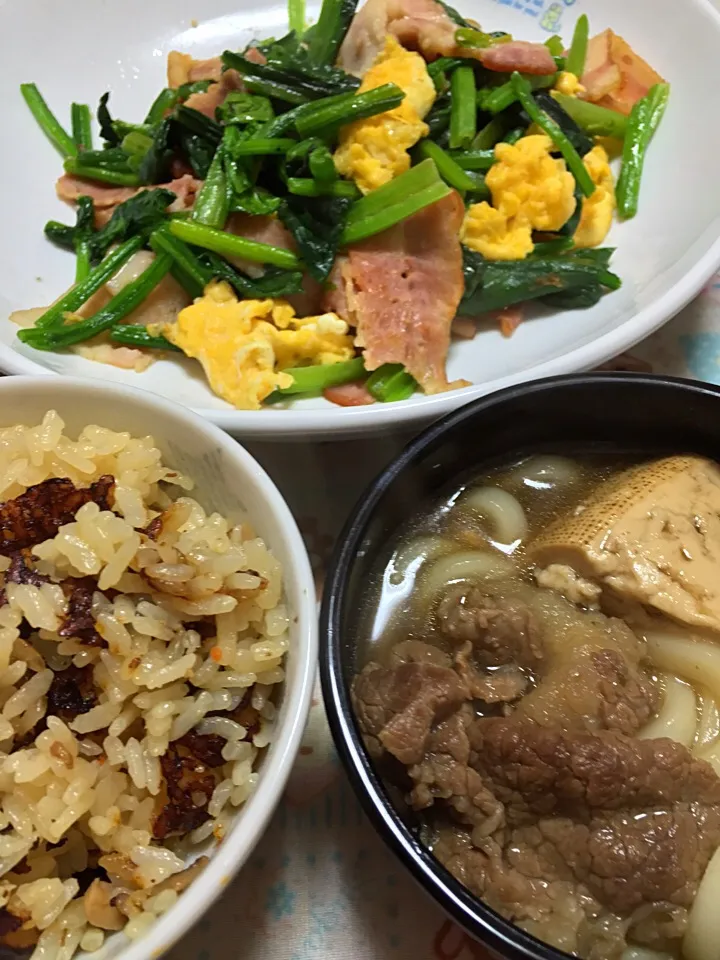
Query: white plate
(76, 51)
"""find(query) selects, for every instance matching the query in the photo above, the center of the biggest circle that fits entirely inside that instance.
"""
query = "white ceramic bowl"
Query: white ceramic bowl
(76, 51)
(230, 481)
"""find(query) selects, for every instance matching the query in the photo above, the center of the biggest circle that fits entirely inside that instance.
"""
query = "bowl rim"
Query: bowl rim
(471, 913)
(230, 855)
(324, 422)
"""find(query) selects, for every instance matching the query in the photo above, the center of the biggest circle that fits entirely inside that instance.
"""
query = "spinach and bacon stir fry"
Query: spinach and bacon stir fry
(319, 213)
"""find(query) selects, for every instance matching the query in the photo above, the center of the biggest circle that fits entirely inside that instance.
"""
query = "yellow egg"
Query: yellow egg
(568, 84)
(244, 345)
(488, 231)
(375, 150)
(529, 185)
(530, 191)
(597, 210)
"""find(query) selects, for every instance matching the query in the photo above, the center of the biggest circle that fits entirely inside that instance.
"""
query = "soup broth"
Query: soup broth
(542, 683)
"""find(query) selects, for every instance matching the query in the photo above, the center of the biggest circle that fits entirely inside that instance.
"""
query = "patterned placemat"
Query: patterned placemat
(321, 884)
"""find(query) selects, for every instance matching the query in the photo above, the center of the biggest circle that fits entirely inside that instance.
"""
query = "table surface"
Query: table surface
(321, 884)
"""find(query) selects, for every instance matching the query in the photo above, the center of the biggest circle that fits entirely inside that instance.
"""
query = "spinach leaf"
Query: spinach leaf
(568, 229)
(169, 98)
(107, 130)
(438, 119)
(273, 283)
(111, 158)
(573, 279)
(186, 90)
(290, 69)
(257, 201)
(323, 39)
(155, 165)
(68, 237)
(577, 137)
(316, 224)
(241, 107)
(138, 215)
(241, 174)
(60, 234)
(575, 299)
(456, 17)
(198, 151)
(199, 124)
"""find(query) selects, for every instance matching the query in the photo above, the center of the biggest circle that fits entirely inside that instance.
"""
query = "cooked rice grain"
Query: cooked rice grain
(190, 635)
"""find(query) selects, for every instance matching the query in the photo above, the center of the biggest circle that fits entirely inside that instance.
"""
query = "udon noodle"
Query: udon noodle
(678, 715)
(502, 640)
(507, 518)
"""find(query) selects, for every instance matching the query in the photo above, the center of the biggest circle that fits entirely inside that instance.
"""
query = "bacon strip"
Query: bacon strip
(354, 394)
(417, 24)
(271, 231)
(424, 25)
(615, 76)
(533, 58)
(105, 197)
(182, 68)
(404, 289)
(510, 319)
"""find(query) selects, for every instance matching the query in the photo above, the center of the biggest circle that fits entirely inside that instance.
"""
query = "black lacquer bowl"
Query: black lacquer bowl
(627, 413)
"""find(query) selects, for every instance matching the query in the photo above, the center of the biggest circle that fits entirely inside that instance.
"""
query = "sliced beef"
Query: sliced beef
(417, 651)
(553, 907)
(501, 629)
(546, 806)
(500, 685)
(592, 835)
(586, 668)
(633, 821)
(397, 706)
(444, 774)
(592, 690)
(536, 771)
(38, 514)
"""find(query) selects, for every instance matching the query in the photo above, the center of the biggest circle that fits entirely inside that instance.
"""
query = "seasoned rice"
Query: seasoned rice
(140, 649)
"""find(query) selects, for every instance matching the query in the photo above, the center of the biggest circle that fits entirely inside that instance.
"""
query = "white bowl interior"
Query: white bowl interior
(230, 481)
(90, 46)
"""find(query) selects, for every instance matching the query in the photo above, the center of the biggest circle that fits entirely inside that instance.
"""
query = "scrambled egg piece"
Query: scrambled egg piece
(489, 231)
(244, 345)
(569, 84)
(597, 210)
(375, 150)
(530, 191)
